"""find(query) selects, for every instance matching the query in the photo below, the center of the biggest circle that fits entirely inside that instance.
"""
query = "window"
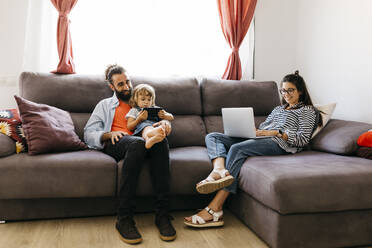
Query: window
(149, 37)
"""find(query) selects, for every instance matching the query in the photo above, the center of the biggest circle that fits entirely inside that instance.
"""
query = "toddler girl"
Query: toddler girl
(139, 120)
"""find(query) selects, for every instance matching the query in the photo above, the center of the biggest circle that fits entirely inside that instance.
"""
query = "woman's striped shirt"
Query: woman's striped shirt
(298, 123)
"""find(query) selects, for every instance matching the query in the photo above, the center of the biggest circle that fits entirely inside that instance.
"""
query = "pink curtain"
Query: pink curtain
(66, 64)
(235, 18)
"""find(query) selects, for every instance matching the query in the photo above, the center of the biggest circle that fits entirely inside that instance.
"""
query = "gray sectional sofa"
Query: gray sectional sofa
(321, 197)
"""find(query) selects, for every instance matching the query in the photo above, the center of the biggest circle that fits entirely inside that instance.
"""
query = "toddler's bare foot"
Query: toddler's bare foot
(155, 131)
(155, 139)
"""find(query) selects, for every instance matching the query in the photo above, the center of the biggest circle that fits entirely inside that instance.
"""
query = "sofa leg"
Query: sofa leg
(2, 221)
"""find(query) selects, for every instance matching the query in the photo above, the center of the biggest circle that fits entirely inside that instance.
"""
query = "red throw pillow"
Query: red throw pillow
(47, 128)
(365, 139)
(11, 125)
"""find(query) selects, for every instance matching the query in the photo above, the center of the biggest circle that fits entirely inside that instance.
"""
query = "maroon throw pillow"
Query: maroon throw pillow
(47, 128)
(11, 125)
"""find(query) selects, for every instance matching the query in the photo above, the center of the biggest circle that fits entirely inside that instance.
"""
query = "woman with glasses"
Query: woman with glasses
(289, 128)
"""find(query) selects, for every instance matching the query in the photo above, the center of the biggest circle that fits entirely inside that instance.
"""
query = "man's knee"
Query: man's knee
(164, 143)
(137, 145)
(161, 146)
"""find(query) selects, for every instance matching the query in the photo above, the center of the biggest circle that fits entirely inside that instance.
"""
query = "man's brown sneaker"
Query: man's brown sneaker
(166, 229)
(128, 230)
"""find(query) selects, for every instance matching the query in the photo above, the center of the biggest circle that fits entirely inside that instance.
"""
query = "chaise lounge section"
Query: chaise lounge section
(320, 197)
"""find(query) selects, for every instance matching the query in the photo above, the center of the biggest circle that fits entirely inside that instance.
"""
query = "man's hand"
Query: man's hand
(165, 124)
(266, 132)
(142, 115)
(114, 136)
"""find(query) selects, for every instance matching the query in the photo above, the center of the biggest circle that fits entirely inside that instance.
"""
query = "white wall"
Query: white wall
(329, 41)
(275, 38)
(12, 29)
(334, 53)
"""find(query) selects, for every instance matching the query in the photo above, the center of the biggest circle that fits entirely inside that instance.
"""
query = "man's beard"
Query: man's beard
(122, 96)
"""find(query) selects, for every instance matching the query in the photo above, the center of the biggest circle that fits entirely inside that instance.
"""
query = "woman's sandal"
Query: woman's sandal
(210, 184)
(199, 222)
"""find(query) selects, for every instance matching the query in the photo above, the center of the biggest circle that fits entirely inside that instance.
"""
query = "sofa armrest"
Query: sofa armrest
(7, 146)
(339, 137)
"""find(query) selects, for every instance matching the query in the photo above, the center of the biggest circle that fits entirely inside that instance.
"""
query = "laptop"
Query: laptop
(239, 122)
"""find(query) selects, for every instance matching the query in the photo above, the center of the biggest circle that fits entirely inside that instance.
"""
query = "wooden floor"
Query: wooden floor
(99, 232)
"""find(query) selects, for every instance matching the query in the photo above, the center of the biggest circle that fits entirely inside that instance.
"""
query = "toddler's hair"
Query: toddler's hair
(142, 89)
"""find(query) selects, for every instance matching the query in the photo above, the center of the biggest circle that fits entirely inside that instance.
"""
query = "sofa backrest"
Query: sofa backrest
(181, 97)
(217, 94)
(75, 93)
(79, 94)
(196, 107)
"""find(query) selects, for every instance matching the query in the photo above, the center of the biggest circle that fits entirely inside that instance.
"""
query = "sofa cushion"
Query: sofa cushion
(60, 175)
(182, 98)
(7, 145)
(217, 94)
(187, 130)
(188, 166)
(80, 120)
(47, 128)
(308, 181)
(70, 92)
(179, 96)
(339, 137)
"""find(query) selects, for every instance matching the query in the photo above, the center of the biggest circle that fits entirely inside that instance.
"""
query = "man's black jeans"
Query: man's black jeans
(132, 150)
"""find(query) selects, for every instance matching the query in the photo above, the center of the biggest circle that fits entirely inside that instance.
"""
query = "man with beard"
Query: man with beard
(107, 130)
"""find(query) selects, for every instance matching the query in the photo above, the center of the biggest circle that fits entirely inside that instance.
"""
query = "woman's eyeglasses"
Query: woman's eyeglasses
(289, 91)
